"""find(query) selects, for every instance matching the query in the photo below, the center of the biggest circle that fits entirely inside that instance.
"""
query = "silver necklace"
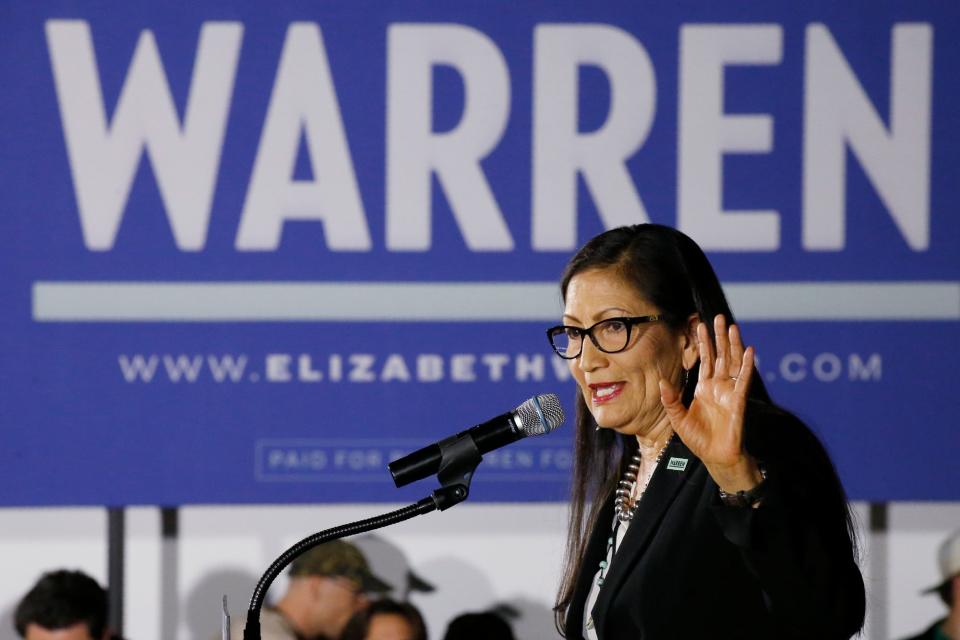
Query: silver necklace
(625, 505)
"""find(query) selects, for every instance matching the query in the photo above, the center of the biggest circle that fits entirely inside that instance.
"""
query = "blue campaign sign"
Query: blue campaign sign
(255, 252)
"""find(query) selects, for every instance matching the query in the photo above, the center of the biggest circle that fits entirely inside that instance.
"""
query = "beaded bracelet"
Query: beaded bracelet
(749, 497)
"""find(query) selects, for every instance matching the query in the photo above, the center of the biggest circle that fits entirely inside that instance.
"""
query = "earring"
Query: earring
(686, 379)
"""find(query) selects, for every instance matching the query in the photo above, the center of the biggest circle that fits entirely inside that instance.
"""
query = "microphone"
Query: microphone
(538, 415)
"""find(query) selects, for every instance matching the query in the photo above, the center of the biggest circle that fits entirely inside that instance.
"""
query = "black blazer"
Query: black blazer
(690, 567)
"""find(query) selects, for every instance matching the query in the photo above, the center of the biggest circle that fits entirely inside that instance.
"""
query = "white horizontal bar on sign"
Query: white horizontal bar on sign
(457, 301)
(294, 301)
(845, 300)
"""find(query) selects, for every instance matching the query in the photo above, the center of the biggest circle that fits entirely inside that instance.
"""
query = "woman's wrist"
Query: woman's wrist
(743, 475)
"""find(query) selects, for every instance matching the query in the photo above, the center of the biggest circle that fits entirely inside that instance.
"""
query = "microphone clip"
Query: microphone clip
(459, 458)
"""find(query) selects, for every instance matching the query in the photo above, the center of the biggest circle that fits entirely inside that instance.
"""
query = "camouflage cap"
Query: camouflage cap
(338, 558)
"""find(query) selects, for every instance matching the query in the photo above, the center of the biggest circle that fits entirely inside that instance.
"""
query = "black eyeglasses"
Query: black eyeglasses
(610, 336)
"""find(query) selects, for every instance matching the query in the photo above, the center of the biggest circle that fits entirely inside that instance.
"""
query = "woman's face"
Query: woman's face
(389, 626)
(621, 389)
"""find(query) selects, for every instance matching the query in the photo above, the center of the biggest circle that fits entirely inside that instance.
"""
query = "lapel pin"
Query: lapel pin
(677, 464)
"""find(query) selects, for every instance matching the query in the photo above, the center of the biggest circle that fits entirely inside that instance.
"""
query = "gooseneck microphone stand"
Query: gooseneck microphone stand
(459, 459)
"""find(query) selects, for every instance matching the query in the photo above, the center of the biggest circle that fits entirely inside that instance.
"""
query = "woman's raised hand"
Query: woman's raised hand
(712, 426)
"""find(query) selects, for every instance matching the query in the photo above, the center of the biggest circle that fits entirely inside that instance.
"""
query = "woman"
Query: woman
(480, 625)
(699, 509)
(386, 620)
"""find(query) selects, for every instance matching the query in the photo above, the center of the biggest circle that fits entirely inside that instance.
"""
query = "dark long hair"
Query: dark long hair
(669, 270)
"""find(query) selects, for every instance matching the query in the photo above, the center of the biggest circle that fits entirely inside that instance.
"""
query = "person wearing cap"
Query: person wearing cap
(947, 628)
(328, 585)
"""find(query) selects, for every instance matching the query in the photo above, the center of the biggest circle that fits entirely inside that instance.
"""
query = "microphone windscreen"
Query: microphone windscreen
(539, 415)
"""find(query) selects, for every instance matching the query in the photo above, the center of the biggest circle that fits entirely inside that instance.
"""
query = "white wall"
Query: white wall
(476, 555)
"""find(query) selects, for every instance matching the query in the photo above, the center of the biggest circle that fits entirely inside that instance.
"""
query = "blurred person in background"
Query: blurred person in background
(483, 625)
(329, 584)
(386, 620)
(63, 605)
(947, 628)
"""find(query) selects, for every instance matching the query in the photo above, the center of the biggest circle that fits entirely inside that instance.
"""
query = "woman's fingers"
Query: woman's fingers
(730, 360)
(723, 344)
(745, 373)
(706, 351)
(736, 349)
